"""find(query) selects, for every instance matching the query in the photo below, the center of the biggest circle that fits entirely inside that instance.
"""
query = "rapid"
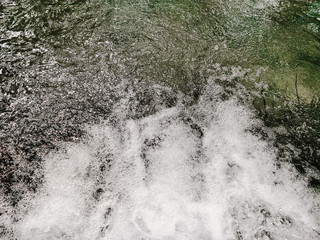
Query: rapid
(133, 120)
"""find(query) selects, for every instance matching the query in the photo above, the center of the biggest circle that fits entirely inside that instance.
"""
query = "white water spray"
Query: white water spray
(196, 173)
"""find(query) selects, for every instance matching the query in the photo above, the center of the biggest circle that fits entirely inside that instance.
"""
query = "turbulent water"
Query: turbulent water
(133, 120)
(183, 173)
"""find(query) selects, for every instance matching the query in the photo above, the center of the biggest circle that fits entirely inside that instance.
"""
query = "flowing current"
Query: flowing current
(183, 173)
(136, 124)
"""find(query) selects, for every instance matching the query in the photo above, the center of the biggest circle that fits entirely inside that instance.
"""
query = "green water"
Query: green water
(175, 42)
(66, 63)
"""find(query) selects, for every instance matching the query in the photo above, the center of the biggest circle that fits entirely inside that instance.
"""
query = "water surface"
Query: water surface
(134, 119)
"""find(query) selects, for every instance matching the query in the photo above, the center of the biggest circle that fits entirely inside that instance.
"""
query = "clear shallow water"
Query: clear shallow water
(151, 95)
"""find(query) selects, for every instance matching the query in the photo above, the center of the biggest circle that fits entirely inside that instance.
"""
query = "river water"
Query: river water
(134, 119)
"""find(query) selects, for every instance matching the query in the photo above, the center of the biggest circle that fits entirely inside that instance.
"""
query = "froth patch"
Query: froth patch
(172, 176)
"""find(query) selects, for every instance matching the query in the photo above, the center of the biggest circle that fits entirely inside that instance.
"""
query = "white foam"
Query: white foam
(161, 178)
